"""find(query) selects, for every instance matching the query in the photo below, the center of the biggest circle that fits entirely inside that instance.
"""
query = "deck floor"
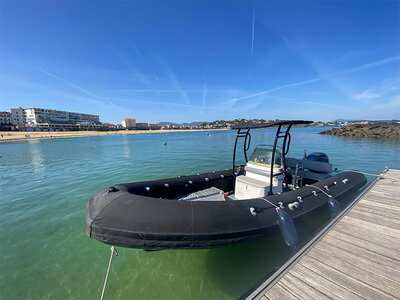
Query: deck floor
(358, 259)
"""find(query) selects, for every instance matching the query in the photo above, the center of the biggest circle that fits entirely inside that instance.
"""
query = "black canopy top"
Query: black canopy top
(270, 124)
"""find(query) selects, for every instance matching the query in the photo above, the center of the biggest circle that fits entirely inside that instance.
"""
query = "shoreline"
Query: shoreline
(373, 131)
(10, 136)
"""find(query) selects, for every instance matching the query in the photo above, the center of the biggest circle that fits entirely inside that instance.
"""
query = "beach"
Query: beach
(25, 135)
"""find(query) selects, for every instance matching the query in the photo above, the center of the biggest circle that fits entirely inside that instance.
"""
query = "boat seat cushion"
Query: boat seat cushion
(257, 171)
(252, 181)
(314, 166)
(315, 175)
(309, 174)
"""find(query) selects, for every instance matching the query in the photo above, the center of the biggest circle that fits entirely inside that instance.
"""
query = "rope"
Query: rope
(113, 250)
(363, 172)
(277, 207)
(320, 190)
(381, 175)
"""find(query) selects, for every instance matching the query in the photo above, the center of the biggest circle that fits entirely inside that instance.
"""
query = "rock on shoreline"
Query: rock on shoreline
(380, 131)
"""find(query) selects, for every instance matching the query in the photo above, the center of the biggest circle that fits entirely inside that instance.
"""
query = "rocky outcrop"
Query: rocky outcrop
(379, 131)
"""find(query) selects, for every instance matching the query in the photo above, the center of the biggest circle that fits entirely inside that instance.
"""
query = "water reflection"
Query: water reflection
(236, 268)
(36, 153)
(125, 143)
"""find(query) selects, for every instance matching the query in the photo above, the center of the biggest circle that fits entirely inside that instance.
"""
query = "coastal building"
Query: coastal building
(154, 126)
(166, 126)
(111, 126)
(33, 116)
(128, 123)
(41, 118)
(17, 117)
(142, 125)
(5, 120)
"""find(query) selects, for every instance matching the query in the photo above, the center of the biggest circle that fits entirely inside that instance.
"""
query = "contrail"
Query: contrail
(175, 104)
(275, 89)
(252, 30)
(370, 65)
(151, 91)
(136, 50)
(355, 69)
(173, 79)
(204, 94)
(68, 83)
(177, 85)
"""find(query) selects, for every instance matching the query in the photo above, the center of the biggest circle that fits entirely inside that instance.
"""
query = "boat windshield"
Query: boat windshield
(262, 156)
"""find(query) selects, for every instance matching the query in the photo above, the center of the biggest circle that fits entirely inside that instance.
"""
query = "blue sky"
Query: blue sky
(202, 61)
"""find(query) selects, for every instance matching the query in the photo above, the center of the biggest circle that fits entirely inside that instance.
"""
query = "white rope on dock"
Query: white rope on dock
(113, 250)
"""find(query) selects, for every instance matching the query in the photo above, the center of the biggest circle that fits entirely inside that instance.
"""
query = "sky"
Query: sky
(184, 61)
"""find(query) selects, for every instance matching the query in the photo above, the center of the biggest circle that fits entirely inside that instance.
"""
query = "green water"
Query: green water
(45, 185)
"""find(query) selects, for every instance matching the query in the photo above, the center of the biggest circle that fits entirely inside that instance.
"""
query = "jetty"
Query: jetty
(357, 256)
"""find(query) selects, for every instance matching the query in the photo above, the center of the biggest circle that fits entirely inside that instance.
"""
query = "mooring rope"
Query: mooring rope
(381, 175)
(113, 250)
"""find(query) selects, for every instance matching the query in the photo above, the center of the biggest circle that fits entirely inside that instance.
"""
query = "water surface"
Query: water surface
(45, 185)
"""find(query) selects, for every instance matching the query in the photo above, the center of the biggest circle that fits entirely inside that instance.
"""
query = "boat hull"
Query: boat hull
(145, 215)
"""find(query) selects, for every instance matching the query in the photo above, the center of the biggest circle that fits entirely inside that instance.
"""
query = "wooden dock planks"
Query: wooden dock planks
(358, 259)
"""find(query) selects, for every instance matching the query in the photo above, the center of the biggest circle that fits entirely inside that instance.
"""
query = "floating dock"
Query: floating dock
(357, 256)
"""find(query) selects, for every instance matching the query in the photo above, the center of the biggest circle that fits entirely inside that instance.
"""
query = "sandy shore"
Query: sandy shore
(23, 135)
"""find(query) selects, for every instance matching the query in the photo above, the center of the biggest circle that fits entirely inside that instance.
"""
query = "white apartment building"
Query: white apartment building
(34, 117)
(128, 123)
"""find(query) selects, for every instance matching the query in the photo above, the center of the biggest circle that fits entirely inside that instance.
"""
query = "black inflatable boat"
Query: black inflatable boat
(222, 207)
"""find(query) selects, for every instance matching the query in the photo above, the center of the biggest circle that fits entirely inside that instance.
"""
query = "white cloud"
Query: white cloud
(393, 103)
(368, 94)
(384, 90)
(316, 79)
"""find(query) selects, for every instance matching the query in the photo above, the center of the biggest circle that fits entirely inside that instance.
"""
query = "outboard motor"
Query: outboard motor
(318, 156)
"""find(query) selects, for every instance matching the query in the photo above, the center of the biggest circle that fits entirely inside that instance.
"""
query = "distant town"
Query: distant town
(43, 119)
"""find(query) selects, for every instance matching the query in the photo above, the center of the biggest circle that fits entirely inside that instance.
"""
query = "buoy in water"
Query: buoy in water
(164, 143)
(334, 207)
(287, 228)
(207, 133)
